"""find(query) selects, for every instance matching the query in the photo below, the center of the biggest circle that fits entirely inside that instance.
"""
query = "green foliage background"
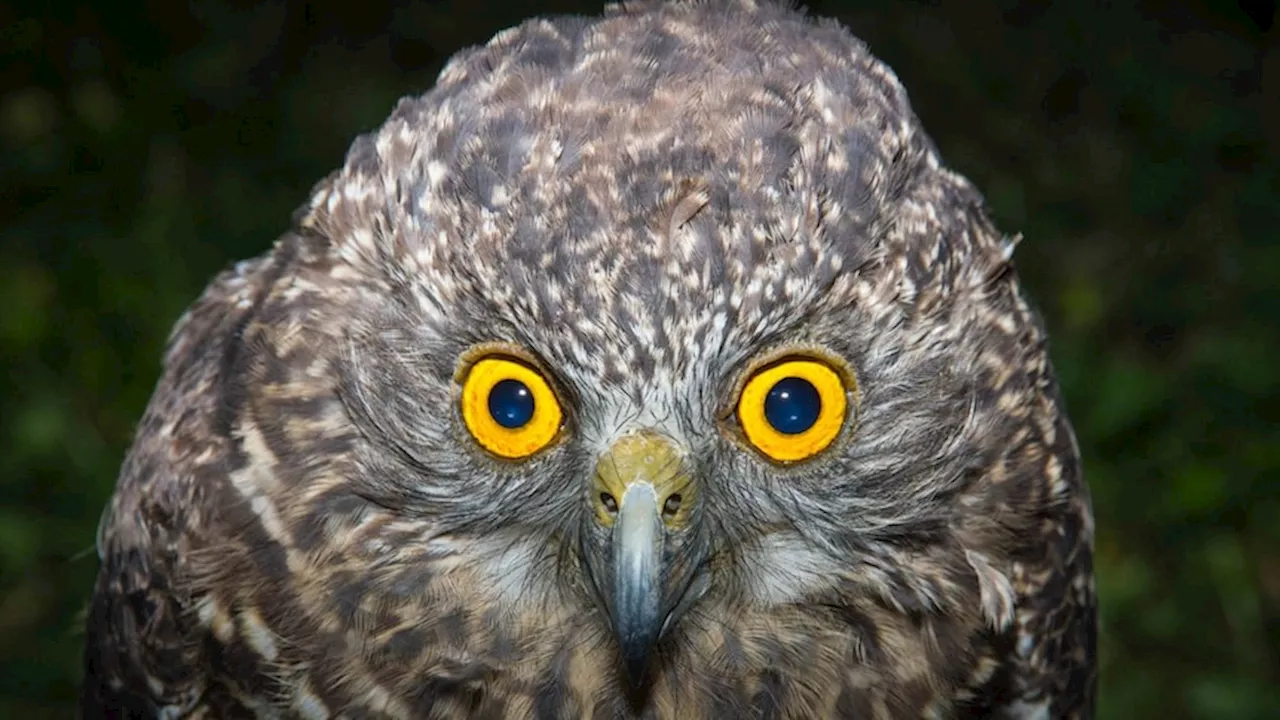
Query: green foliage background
(1135, 146)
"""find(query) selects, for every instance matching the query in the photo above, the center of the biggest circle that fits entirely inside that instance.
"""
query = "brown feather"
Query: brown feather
(643, 204)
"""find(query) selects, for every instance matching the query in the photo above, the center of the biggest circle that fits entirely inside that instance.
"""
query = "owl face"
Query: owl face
(669, 432)
(645, 540)
(669, 342)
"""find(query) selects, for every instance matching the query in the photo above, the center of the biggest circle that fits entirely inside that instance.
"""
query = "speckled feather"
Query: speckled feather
(646, 203)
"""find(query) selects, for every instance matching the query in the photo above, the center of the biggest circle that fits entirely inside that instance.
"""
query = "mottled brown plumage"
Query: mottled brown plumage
(643, 205)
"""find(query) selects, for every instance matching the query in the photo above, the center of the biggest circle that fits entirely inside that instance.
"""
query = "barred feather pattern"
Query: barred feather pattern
(645, 202)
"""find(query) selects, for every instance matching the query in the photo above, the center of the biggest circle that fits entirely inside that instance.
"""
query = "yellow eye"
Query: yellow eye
(794, 409)
(509, 407)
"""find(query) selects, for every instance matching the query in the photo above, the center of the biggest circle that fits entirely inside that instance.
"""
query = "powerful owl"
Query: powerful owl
(651, 365)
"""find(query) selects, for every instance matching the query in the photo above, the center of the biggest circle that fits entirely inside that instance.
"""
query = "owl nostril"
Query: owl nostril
(671, 506)
(609, 503)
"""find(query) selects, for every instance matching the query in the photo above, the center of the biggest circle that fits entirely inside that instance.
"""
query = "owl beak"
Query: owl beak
(638, 576)
(643, 496)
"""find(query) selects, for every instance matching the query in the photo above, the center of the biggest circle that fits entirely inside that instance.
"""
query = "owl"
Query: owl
(650, 365)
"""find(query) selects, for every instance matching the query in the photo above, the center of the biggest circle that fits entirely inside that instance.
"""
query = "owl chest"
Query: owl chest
(732, 672)
(455, 659)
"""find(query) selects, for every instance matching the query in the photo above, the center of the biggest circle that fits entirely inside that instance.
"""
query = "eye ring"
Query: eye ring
(509, 407)
(793, 409)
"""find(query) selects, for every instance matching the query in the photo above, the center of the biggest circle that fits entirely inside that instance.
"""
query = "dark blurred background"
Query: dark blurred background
(1137, 147)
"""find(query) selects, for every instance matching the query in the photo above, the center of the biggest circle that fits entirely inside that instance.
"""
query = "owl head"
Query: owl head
(659, 313)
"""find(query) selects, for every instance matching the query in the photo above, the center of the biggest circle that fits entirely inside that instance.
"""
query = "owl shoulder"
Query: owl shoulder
(141, 651)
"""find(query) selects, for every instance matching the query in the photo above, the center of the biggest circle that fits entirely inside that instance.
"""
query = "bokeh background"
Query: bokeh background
(1136, 145)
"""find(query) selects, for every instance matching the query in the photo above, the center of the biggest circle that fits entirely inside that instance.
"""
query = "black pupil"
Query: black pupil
(511, 404)
(792, 405)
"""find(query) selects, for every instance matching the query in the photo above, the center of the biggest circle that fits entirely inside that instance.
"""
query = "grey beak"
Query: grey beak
(638, 576)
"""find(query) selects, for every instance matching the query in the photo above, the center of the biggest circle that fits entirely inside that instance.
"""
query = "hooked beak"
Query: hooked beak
(644, 497)
(639, 575)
